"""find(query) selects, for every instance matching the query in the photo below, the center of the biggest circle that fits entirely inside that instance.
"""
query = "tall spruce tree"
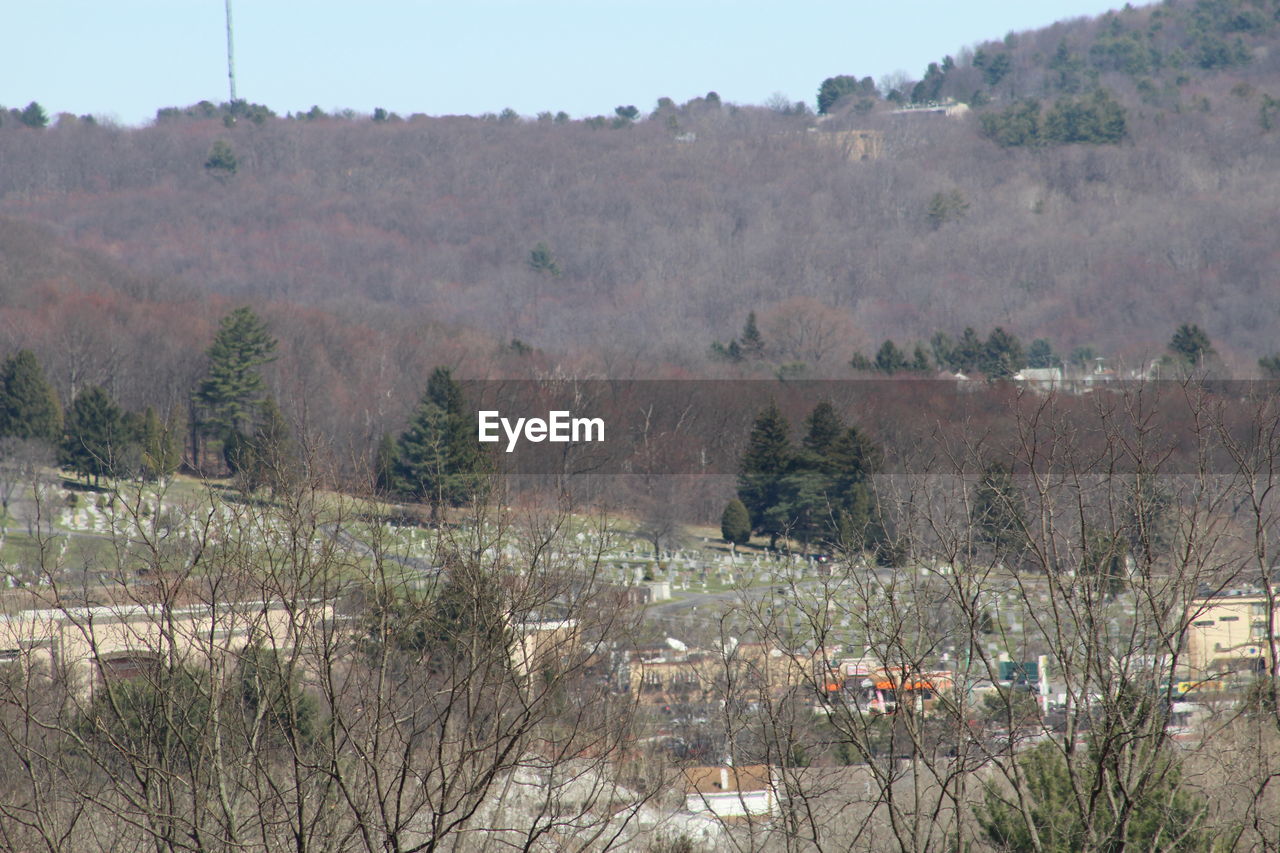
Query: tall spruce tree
(751, 342)
(823, 429)
(1001, 355)
(97, 436)
(764, 463)
(28, 405)
(439, 460)
(234, 386)
(997, 514)
(855, 458)
(229, 396)
(1190, 344)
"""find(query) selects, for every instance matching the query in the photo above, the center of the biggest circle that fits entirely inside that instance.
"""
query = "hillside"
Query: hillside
(380, 247)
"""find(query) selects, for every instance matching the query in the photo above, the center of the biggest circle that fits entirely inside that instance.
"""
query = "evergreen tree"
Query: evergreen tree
(1270, 365)
(33, 115)
(835, 88)
(946, 207)
(764, 463)
(28, 406)
(968, 352)
(997, 514)
(1001, 355)
(439, 459)
(1190, 345)
(861, 362)
(827, 492)
(920, 360)
(1040, 354)
(273, 700)
(1160, 815)
(221, 162)
(944, 350)
(460, 626)
(823, 429)
(97, 437)
(735, 524)
(804, 510)
(890, 359)
(751, 343)
(854, 459)
(232, 390)
(732, 352)
(542, 262)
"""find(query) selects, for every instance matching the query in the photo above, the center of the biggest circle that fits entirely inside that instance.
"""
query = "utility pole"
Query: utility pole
(231, 56)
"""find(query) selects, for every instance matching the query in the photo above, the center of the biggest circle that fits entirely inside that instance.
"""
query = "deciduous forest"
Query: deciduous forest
(1112, 181)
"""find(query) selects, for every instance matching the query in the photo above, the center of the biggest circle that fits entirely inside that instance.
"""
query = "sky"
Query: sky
(125, 58)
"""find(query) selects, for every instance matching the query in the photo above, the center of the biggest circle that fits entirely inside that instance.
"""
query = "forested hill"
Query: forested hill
(1115, 179)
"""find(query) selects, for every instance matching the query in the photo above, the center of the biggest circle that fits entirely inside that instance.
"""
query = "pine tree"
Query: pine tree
(1158, 811)
(1001, 355)
(854, 459)
(823, 428)
(1040, 354)
(28, 405)
(97, 438)
(33, 115)
(543, 262)
(1191, 345)
(764, 463)
(735, 524)
(222, 162)
(920, 360)
(997, 514)
(890, 359)
(751, 342)
(232, 390)
(967, 354)
(439, 459)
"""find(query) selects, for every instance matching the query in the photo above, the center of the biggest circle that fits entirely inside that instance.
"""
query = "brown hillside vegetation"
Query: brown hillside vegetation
(377, 248)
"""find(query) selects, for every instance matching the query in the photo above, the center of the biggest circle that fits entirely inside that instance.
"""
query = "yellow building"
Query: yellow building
(1228, 633)
(80, 646)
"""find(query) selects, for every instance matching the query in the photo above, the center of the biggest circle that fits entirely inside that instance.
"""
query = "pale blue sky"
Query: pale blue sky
(125, 58)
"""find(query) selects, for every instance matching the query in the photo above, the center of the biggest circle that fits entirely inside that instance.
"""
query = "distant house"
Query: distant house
(948, 108)
(1041, 379)
(731, 792)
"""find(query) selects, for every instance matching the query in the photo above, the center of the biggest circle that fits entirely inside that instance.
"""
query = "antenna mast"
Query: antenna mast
(231, 56)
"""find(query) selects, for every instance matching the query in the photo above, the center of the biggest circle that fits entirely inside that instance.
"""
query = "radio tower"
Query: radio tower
(231, 56)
